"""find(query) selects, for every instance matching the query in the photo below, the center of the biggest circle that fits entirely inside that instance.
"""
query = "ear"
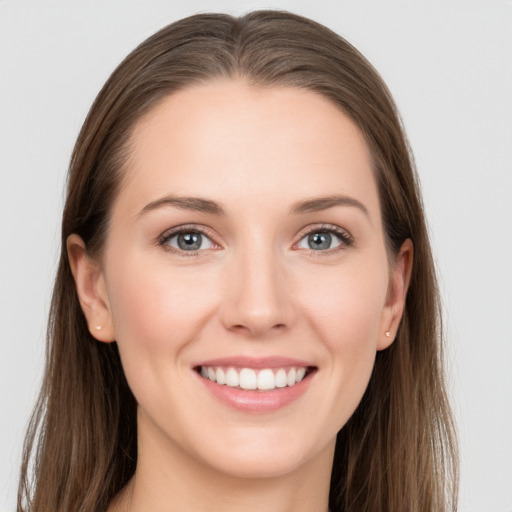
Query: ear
(91, 290)
(397, 292)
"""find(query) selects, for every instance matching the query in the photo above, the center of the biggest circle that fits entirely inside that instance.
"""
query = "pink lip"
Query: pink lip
(255, 362)
(256, 401)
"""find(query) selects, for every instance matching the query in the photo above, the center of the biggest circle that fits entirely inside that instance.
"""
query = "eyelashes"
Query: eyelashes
(191, 240)
(324, 238)
(188, 240)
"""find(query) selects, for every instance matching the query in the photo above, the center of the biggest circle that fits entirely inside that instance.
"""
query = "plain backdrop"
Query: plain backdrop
(448, 64)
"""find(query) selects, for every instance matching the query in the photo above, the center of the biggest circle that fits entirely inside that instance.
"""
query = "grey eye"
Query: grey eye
(319, 241)
(190, 241)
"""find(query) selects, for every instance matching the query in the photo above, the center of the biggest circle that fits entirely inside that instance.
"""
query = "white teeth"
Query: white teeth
(220, 376)
(266, 379)
(247, 378)
(281, 379)
(232, 379)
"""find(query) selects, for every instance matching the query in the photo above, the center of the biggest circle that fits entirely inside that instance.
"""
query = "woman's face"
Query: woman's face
(246, 244)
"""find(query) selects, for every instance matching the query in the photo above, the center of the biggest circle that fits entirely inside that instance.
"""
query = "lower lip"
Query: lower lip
(257, 401)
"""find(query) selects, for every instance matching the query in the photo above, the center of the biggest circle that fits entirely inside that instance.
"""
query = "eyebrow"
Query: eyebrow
(195, 204)
(202, 205)
(318, 204)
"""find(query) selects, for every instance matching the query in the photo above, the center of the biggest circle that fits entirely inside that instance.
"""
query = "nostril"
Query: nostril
(242, 327)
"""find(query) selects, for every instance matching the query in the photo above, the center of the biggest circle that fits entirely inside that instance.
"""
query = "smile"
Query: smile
(264, 379)
(256, 385)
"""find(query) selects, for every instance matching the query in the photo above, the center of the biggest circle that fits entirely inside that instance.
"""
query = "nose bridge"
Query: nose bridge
(258, 299)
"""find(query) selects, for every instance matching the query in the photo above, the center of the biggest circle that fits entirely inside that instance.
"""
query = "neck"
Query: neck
(169, 479)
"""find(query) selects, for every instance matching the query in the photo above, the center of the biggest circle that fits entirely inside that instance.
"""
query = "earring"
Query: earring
(98, 327)
(388, 334)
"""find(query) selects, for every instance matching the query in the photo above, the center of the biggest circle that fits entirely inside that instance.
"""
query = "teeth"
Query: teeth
(247, 378)
(266, 379)
(281, 379)
(232, 379)
(220, 376)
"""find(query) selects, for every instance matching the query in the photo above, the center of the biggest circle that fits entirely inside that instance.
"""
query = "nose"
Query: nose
(258, 299)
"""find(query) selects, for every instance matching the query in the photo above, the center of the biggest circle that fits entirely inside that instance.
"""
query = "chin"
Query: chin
(257, 466)
(265, 452)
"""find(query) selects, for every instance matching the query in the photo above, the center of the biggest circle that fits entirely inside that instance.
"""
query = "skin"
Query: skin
(256, 289)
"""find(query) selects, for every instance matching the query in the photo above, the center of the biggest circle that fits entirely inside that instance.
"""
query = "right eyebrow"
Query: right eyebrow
(317, 204)
(196, 204)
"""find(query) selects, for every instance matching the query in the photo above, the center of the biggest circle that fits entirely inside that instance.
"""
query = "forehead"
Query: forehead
(230, 140)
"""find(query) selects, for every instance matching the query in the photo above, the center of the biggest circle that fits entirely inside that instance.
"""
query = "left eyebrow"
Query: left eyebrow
(196, 204)
(317, 204)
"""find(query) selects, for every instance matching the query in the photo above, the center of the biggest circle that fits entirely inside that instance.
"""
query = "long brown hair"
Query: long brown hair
(397, 451)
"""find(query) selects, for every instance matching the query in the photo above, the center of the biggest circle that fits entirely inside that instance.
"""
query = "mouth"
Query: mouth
(255, 379)
(256, 385)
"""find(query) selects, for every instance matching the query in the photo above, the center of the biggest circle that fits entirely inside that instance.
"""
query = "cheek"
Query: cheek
(346, 315)
(156, 314)
(346, 305)
(155, 311)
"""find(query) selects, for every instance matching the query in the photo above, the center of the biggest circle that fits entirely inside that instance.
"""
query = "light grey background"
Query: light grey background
(448, 64)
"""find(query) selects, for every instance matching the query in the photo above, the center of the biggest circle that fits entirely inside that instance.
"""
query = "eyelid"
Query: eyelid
(184, 228)
(346, 238)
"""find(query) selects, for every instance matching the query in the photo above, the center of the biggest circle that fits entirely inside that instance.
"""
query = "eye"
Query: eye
(323, 239)
(187, 240)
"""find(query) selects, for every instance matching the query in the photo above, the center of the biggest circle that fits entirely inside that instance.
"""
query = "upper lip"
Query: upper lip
(255, 362)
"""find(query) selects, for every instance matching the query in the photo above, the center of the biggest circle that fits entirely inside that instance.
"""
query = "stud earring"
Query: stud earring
(98, 327)
(388, 334)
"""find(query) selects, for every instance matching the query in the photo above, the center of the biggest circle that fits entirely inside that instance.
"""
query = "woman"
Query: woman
(245, 314)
